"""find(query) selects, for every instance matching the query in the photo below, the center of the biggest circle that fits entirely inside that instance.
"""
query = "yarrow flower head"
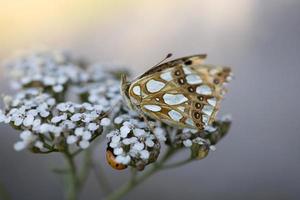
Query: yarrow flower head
(28, 108)
(47, 124)
(48, 70)
(132, 143)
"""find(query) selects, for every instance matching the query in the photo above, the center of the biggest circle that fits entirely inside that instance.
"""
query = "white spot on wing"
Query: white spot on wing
(204, 89)
(193, 79)
(207, 109)
(205, 119)
(189, 121)
(174, 99)
(137, 90)
(187, 70)
(167, 76)
(154, 108)
(212, 101)
(154, 86)
(176, 116)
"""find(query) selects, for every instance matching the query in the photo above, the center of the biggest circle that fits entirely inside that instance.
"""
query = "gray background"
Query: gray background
(259, 159)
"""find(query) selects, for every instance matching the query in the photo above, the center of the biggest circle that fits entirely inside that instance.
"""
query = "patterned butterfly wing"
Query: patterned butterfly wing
(182, 92)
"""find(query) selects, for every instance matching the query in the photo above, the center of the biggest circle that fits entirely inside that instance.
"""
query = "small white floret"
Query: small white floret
(105, 122)
(187, 143)
(144, 154)
(84, 144)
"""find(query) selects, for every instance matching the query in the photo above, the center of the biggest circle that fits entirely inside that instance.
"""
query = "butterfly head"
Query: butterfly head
(125, 84)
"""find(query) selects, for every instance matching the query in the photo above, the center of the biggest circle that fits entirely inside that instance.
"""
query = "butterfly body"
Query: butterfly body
(184, 92)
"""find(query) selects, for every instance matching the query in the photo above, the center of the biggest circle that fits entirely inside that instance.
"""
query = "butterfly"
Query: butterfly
(184, 92)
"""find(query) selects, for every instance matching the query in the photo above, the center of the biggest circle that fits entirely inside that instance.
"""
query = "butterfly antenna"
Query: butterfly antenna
(169, 55)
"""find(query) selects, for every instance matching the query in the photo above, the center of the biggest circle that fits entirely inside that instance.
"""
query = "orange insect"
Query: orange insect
(111, 159)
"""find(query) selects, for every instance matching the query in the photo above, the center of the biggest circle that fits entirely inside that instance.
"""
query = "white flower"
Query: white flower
(44, 113)
(118, 120)
(105, 122)
(62, 107)
(124, 130)
(39, 145)
(51, 101)
(26, 136)
(115, 139)
(149, 143)
(138, 132)
(28, 121)
(71, 139)
(86, 135)
(212, 147)
(32, 112)
(18, 121)
(126, 141)
(76, 117)
(58, 88)
(120, 159)
(138, 146)
(79, 131)
(88, 106)
(44, 128)
(59, 118)
(93, 126)
(118, 151)
(187, 143)
(18, 146)
(210, 129)
(84, 144)
(113, 144)
(49, 80)
(126, 160)
(144, 154)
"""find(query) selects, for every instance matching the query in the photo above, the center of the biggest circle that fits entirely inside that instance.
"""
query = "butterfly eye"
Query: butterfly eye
(189, 62)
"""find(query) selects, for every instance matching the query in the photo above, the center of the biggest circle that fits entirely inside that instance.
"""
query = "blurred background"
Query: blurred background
(259, 159)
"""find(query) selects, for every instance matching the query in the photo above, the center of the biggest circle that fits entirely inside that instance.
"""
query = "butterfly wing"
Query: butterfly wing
(183, 92)
(195, 59)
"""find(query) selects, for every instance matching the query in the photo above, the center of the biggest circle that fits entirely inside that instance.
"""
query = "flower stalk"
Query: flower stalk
(72, 180)
(136, 180)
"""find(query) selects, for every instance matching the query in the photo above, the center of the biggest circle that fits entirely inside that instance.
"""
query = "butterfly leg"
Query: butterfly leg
(147, 122)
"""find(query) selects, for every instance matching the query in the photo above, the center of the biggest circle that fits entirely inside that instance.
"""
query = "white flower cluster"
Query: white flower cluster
(132, 142)
(27, 109)
(47, 70)
(46, 124)
(102, 88)
(106, 93)
(79, 123)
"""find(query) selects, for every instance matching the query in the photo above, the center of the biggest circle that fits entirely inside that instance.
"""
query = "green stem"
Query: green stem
(101, 178)
(72, 179)
(136, 180)
(87, 164)
(177, 164)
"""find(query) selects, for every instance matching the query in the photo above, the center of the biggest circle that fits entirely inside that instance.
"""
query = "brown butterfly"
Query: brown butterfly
(184, 92)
